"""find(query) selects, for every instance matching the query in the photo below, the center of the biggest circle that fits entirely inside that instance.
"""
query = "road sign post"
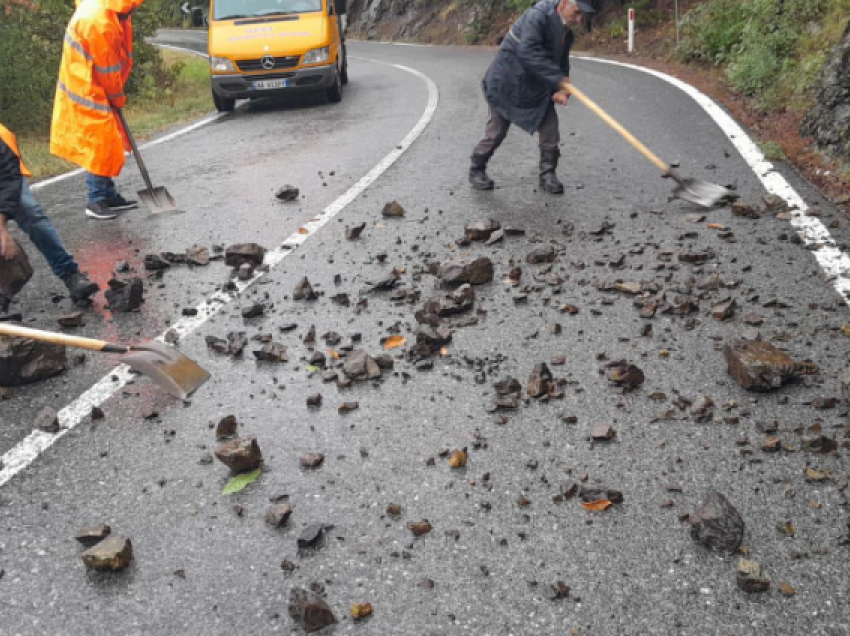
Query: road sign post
(631, 30)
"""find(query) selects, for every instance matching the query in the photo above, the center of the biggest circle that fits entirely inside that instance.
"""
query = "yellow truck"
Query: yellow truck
(266, 48)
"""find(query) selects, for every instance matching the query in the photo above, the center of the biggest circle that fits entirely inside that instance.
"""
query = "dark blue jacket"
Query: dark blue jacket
(11, 181)
(532, 61)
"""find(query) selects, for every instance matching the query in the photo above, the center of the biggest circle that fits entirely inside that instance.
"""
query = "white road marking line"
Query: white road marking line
(28, 450)
(177, 133)
(834, 263)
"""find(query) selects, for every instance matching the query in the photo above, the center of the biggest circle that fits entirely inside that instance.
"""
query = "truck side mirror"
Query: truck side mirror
(340, 7)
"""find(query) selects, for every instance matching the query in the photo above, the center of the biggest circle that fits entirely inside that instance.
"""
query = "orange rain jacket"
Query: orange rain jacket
(96, 61)
(10, 140)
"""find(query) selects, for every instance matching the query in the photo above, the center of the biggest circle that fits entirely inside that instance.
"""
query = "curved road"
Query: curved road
(207, 563)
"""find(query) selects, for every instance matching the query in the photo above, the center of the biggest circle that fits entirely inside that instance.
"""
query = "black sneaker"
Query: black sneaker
(100, 211)
(80, 286)
(119, 203)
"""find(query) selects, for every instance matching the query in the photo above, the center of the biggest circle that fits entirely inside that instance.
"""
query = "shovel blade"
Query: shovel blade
(166, 367)
(702, 192)
(158, 200)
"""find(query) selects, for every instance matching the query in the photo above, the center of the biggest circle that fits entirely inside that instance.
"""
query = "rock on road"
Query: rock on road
(450, 505)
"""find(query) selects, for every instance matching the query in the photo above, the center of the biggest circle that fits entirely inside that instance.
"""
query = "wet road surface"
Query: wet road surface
(499, 540)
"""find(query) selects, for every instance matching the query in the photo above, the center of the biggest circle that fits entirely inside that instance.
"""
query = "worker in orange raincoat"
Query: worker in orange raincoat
(96, 61)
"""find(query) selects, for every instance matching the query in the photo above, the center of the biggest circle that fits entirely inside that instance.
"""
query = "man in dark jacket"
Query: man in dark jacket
(528, 77)
(18, 204)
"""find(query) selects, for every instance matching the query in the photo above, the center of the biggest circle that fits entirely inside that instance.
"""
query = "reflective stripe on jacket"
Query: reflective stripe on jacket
(9, 138)
(96, 60)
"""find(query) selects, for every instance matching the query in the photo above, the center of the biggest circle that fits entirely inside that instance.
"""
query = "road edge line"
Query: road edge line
(31, 447)
(834, 263)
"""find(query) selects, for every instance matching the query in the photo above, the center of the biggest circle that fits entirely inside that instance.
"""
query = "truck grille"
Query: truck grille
(279, 63)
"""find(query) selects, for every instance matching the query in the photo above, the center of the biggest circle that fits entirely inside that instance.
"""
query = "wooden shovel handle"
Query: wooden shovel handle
(646, 152)
(60, 339)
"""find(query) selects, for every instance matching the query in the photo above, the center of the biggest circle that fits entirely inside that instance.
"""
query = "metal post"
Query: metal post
(677, 22)
(631, 30)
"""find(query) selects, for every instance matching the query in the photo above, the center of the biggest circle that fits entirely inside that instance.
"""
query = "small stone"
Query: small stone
(245, 272)
(625, 375)
(113, 553)
(475, 272)
(198, 256)
(724, 310)
(304, 291)
(125, 295)
(96, 413)
(749, 577)
(353, 233)
(360, 611)
(48, 421)
(240, 455)
(758, 365)
(744, 210)
(347, 407)
(311, 460)
(236, 255)
(310, 535)
(253, 311)
(309, 611)
(226, 427)
(394, 510)
(602, 432)
(71, 321)
(271, 352)
(541, 254)
(539, 381)
(14, 274)
(771, 444)
(287, 193)
(155, 263)
(458, 459)
(393, 210)
(278, 514)
(481, 230)
(419, 528)
(314, 400)
(359, 365)
(717, 525)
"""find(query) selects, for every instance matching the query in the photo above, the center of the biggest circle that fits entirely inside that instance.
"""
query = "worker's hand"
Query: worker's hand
(8, 247)
(561, 98)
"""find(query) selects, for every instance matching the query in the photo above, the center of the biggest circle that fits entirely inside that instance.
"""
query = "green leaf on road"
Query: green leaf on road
(310, 368)
(238, 482)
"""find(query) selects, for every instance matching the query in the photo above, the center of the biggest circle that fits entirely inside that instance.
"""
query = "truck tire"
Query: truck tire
(223, 104)
(344, 76)
(335, 91)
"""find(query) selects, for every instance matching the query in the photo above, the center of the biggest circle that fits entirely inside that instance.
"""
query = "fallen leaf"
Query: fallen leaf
(444, 351)
(816, 475)
(787, 590)
(717, 226)
(310, 368)
(303, 230)
(333, 354)
(393, 342)
(240, 481)
(845, 329)
(601, 504)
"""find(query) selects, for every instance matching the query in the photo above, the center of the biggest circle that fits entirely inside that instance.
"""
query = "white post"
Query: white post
(631, 30)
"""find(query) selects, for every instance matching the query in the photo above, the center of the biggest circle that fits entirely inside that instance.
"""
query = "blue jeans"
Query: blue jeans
(32, 220)
(100, 188)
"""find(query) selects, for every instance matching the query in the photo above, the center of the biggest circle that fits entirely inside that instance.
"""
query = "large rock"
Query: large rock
(475, 272)
(829, 120)
(758, 365)
(252, 253)
(717, 525)
(23, 361)
(309, 610)
(14, 274)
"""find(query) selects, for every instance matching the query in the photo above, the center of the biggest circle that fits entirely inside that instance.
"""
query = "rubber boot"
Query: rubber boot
(548, 179)
(478, 173)
(80, 286)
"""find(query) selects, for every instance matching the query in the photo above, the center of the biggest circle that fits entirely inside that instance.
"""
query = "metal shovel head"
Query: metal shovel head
(158, 200)
(701, 192)
(166, 367)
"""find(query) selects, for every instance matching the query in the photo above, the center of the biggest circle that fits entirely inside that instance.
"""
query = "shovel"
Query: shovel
(158, 200)
(693, 190)
(165, 366)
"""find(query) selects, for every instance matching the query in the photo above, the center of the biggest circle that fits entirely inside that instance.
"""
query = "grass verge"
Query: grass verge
(187, 99)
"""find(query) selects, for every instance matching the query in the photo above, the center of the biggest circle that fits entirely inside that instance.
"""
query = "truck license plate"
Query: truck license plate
(268, 84)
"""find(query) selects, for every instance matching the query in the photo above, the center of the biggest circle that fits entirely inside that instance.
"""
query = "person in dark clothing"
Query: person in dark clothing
(528, 77)
(18, 204)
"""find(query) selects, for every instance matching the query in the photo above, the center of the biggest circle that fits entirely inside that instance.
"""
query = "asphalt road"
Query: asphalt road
(499, 541)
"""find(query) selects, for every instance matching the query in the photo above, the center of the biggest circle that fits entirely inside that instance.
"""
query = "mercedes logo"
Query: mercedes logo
(267, 62)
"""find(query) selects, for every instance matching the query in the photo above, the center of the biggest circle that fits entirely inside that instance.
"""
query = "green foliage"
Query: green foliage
(238, 482)
(31, 48)
(617, 28)
(771, 50)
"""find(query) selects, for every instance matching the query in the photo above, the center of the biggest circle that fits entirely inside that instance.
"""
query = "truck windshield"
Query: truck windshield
(233, 9)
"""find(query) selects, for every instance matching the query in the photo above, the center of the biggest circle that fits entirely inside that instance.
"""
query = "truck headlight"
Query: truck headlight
(221, 64)
(317, 56)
